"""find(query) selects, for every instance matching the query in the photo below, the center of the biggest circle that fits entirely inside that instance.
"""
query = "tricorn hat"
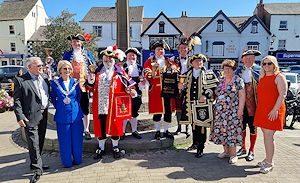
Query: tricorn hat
(190, 41)
(113, 51)
(251, 52)
(160, 43)
(198, 56)
(133, 50)
(76, 36)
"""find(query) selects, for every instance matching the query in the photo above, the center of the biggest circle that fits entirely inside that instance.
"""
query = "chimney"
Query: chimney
(183, 14)
(260, 10)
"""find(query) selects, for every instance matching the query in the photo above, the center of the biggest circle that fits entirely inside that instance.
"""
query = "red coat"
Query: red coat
(119, 107)
(155, 104)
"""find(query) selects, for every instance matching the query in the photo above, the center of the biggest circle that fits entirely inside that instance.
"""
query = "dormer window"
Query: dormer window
(220, 25)
(161, 27)
(254, 27)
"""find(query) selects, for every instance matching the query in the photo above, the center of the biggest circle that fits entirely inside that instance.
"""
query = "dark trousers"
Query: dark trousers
(168, 112)
(199, 138)
(249, 120)
(84, 103)
(35, 140)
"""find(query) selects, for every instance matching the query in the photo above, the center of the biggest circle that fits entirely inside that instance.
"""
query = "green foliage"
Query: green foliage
(56, 34)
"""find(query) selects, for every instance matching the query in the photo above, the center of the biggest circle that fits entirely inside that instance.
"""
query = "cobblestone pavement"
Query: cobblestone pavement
(171, 165)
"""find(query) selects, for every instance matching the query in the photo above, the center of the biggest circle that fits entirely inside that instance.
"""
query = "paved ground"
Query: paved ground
(153, 165)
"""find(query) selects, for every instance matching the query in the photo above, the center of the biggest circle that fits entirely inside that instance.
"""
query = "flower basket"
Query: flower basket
(6, 101)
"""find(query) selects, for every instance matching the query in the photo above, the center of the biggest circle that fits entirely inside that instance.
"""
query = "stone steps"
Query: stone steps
(145, 127)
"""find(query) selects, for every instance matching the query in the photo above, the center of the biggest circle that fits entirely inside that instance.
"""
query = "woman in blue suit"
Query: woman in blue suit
(68, 116)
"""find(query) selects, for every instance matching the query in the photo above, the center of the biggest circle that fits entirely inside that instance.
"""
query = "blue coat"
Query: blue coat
(66, 113)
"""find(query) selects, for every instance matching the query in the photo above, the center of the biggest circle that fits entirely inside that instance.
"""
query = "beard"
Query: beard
(109, 65)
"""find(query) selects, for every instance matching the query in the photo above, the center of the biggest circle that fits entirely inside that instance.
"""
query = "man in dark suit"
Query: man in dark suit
(31, 101)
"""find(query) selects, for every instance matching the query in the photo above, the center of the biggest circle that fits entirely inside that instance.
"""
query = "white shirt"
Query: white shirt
(184, 65)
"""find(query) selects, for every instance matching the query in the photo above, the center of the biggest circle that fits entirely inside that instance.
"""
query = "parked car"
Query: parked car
(294, 69)
(7, 74)
(294, 79)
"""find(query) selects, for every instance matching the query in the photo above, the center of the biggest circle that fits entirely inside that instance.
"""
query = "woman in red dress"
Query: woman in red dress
(270, 111)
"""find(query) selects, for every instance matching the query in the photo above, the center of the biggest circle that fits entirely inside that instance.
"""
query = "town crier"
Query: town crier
(112, 92)
(80, 59)
(162, 74)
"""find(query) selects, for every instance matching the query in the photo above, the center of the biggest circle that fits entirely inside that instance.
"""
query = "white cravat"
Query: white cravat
(132, 69)
(196, 73)
(247, 76)
(78, 57)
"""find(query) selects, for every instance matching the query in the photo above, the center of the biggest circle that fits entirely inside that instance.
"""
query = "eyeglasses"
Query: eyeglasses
(269, 63)
(40, 65)
(67, 68)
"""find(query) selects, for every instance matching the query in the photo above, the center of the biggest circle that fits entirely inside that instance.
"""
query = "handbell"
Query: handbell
(92, 68)
(48, 51)
(182, 78)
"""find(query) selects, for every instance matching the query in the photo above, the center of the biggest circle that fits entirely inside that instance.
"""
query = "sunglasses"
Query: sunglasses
(67, 68)
(269, 63)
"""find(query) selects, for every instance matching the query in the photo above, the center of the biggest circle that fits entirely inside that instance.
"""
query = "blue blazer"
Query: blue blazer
(66, 113)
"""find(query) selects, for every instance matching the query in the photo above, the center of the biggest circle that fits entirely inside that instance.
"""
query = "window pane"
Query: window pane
(218, 50)
(98, 30)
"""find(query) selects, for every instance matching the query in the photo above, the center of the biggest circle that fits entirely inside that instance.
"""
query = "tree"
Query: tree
(56, 34)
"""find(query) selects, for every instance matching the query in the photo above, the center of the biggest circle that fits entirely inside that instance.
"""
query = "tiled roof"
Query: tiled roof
(38, 35)
(187, 25)
(239, 21)
(109, 14)
(16, 10)
(283, 8)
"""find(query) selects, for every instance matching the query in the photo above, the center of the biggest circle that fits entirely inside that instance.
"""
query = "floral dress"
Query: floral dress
(227, 128)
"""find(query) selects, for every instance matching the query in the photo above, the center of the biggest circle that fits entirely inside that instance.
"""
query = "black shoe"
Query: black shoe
(192, 147)
(44, 167)
(35, 177)
(87, 136)
(99, 154)
(199, 153)
(241, 152)
(117, 153)
(169, 135)
(178, 131)
(157, 135)
(136, 135)
(122, 137)
(250, 156)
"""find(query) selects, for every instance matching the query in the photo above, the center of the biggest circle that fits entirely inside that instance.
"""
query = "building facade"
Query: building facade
(17, 26)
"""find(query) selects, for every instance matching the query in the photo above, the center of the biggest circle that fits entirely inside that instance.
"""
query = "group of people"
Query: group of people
(249, 96)
(226, 104)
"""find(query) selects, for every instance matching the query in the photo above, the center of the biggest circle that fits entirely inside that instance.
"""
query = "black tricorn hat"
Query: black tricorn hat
(198, 56)
(76, 36)
(251, 52)
(160, 43)
(133, 50)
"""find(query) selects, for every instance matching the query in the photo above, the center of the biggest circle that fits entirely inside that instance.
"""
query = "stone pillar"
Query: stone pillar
(122, 24)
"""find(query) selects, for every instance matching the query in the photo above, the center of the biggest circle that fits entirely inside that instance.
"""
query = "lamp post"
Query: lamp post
(272, 39)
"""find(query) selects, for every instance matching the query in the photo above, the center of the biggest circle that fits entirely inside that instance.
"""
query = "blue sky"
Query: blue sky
(172, 8)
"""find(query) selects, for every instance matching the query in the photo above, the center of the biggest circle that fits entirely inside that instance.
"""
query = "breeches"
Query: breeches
(167, 114)
(249, 120)
(102, 118)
